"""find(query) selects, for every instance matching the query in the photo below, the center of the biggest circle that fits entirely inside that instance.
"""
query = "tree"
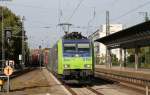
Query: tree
(114, 59)
(13, 21)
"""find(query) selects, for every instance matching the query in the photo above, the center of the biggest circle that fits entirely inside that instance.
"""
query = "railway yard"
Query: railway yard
(86, 53)
(42, 82)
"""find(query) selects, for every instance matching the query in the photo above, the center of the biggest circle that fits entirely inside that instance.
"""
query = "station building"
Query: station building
(99, 48)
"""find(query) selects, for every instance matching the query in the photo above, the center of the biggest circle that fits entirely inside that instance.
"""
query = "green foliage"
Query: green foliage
(130, 51)
(10, 20)
(131, 59)
(114, 59)
(13, 21)
(144, 57)
(147, 66)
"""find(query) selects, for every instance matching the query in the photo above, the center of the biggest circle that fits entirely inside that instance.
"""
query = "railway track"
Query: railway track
(101, 87)
(93, 90)
(98, 86)
(86, 89)
(136, 84)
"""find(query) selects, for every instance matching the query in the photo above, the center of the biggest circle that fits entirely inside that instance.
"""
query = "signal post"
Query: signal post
(8, 70)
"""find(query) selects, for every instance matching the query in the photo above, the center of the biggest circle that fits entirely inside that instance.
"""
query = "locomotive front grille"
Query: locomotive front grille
(77, 72)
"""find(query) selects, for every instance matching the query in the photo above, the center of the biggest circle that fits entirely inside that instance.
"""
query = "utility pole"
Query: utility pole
(108, 52)
(107, 24)
(23, 49)
(146, 18)
(88, 25)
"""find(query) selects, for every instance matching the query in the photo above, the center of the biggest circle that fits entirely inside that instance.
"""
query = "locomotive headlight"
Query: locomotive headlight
(87, 66)
(66, 66)
(77, 55)
(66, 59)
(87, 59)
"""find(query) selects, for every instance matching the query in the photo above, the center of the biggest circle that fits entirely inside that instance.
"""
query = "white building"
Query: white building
(99, 48)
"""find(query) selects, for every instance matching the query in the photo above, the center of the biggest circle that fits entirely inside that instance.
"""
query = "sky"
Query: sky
(43, 16)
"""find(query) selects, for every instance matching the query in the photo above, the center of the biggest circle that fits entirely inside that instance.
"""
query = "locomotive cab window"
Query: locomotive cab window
(69, 47)
(83, 47)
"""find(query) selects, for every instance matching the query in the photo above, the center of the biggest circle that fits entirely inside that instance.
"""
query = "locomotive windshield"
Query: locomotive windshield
(83, 47)
(69, 47)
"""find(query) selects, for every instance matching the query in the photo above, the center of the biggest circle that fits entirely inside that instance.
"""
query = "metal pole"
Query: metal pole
(8, 84)
(146, 90)
(40, 59)
(146, 17)
(109, 58)
(40, 56)
(107, 33)
(136, 58)
(120, 57)
(107, 24)
(23, 57)
(3, 45)
(125, 59)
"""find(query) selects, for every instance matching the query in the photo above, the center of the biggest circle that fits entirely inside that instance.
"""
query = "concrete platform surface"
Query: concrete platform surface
(131, 72)
(37, 82)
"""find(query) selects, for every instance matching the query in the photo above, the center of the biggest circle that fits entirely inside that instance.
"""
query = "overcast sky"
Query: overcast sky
(42, 16)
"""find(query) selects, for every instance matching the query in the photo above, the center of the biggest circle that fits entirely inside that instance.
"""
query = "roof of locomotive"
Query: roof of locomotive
(74, 36)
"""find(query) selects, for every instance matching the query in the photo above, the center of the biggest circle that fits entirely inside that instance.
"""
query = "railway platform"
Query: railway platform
(36, 82)
(137, 79)
(140, 73)
(136, 38)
